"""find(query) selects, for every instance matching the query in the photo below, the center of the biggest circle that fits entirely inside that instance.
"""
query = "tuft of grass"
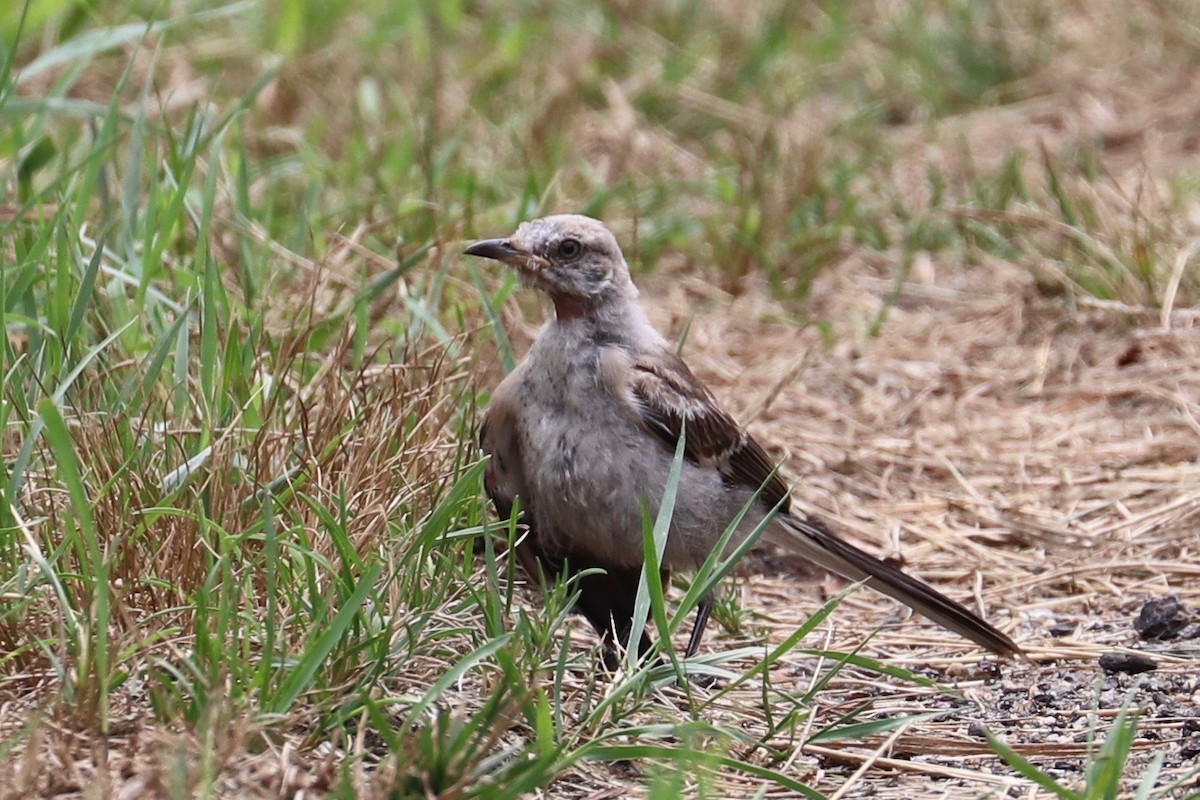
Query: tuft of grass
(1106, 775)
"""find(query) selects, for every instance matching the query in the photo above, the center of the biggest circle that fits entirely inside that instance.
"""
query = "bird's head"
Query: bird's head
(572, 258)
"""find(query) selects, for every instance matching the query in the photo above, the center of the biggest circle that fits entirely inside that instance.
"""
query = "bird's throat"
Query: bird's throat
(567, 308)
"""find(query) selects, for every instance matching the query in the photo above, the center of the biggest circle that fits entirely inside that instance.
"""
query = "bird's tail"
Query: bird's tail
(811, 539)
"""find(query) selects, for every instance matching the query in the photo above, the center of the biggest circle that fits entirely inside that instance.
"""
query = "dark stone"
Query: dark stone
(1190, 748)
(1062, 628)
(1161, 618)
(1129, 663)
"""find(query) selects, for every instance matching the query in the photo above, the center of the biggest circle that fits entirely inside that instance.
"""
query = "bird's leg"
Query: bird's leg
(606, 601)
(703, 612)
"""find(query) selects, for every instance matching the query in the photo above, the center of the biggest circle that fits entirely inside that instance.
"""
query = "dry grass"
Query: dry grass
(1042, 462)
(943, 261)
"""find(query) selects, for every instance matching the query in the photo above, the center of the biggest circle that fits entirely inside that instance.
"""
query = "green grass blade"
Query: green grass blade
(300, 678)
(861, 730)
(1029, 770)
(650, 588)
(96, 665)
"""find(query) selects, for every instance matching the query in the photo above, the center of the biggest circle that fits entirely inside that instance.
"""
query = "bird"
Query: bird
(582, 434)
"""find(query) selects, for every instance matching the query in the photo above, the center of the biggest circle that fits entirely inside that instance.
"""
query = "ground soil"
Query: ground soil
(1034, 456)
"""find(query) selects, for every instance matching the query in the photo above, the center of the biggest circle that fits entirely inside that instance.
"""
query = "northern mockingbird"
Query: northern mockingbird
(584, 433)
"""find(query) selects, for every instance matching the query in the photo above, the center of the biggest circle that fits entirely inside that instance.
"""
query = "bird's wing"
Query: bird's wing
(669, 400)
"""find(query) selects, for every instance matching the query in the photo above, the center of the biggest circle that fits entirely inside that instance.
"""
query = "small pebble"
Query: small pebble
(1190, 748)
(1130, 663)
(1060, 629)
(1160, 618)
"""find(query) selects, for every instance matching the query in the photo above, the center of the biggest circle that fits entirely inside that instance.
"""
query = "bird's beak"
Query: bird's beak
(498, 249)
(504, 250)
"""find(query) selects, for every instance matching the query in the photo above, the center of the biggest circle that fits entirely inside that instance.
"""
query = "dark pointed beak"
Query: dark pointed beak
(497, 249)
(506, 251)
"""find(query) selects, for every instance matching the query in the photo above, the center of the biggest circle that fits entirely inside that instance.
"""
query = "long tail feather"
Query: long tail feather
(810, 538)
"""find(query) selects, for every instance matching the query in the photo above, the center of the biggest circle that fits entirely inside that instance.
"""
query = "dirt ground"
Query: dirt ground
(1034, 456)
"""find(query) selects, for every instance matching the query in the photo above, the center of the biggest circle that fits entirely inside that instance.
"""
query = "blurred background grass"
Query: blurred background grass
(238, 394)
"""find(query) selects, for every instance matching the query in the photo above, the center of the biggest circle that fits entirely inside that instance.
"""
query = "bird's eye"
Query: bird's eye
(569, 249)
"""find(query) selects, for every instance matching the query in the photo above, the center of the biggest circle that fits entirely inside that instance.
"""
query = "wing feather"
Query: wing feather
(669, 399)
